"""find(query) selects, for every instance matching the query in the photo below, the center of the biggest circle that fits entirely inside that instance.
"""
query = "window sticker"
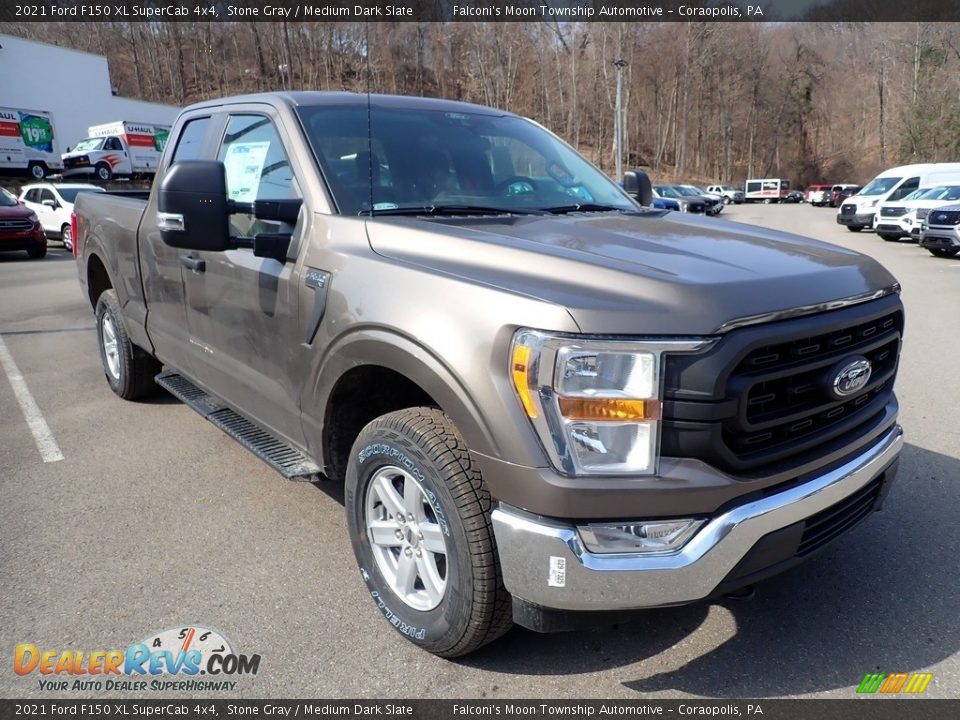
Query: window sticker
(244, 166)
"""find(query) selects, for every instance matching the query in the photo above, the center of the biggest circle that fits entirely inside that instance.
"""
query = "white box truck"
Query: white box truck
(28, 143)
(121, 148)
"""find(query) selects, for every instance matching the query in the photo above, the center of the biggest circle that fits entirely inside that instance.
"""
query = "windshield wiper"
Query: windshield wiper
(454, 210)
(582, 207)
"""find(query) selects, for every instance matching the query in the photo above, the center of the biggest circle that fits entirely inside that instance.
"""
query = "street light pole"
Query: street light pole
(618, 120)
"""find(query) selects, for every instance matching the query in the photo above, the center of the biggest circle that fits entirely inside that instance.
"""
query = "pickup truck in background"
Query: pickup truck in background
(545, 398)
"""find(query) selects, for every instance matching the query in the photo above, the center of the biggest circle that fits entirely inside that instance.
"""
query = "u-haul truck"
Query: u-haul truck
(119, 148)
(28, 142)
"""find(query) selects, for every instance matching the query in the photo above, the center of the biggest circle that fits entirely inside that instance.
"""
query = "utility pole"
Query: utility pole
(618, 121)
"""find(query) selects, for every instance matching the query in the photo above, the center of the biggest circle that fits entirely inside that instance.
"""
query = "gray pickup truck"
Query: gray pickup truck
(546, 400)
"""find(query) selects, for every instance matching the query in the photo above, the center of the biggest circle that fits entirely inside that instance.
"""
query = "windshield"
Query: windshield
(7, 199)
(946, 192)
(686, 190)
(69, 194)
(88, 144)
(667, 191)
(417, 158)
(916, 194)
(879, 186)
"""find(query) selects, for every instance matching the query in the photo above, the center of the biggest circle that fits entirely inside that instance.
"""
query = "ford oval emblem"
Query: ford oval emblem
(851, 376)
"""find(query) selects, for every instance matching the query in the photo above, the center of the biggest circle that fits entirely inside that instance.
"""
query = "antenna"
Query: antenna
(369, 125)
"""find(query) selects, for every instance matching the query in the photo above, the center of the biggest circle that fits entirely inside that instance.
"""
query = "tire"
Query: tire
(103, 172)
(726, 200)
(129, 370)
(38, 170)
(767, 201)
(415, 460)
(889, 237)
(854, 228)
(66, 235)
(944, 252)
(36, 253)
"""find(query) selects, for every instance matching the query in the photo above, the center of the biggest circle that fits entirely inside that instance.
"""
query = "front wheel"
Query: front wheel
(419, 519)
(889, 237)
(103, 172)
(944, 252)
(855, 228)
(129, 370)
(35, 253)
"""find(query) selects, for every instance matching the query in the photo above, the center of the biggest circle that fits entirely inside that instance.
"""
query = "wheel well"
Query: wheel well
(363, 394)
(97, 279)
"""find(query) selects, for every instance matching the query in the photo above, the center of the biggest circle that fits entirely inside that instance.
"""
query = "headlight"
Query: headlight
(32, 217)
(594, 403)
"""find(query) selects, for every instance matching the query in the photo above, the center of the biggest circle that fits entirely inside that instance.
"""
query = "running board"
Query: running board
(286, 460)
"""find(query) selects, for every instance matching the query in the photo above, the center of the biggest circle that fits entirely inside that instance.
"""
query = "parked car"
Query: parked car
(20, 227)
(858, 211)
(729, 193)
(896, 219)
(714, 202)
(534, 404)
(794, 196)
(941, 231)
(53, 204)
(688, 203)
(839, 193)
(663, 203)
(817, 195)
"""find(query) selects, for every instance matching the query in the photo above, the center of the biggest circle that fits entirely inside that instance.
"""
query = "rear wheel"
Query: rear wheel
(129, 369)
(419, 519)
(38, 170)
(889, 237)
(944, 252)
(67, 236)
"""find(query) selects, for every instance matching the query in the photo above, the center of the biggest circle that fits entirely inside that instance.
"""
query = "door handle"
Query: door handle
(195, 264)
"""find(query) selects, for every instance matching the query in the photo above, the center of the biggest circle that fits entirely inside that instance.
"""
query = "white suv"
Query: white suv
(53, 204)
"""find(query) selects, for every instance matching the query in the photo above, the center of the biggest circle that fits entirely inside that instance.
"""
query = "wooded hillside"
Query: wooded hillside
(712, 101)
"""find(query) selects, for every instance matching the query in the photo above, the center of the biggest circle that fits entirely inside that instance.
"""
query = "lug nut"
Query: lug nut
(419, 554)
(399, 535)
(407, 551)
(410, 517)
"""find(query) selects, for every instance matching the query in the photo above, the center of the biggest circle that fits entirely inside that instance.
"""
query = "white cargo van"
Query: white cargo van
(857, 212)
(28, 142)
(117, 148)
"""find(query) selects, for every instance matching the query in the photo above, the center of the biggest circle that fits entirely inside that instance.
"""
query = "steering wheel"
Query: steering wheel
(517, 185)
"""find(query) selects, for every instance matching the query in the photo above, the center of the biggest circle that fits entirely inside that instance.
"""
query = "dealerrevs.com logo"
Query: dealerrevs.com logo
(172, 659)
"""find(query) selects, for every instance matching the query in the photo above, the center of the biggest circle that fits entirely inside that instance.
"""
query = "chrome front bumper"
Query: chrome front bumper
(545, 563)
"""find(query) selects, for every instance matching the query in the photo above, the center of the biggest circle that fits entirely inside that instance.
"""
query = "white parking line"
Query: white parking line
(46, 442)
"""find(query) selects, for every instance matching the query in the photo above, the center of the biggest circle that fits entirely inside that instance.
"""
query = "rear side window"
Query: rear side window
(190, 144)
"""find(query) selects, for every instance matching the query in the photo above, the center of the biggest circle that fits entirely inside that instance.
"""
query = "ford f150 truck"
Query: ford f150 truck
(545, 398)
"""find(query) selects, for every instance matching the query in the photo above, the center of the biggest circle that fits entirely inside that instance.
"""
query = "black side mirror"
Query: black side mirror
(192, 206)
(638, 186)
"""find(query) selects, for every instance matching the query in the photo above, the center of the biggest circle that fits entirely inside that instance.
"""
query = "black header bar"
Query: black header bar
(481, 10)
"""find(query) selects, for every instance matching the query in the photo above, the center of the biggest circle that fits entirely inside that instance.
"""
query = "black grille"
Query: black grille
(848, 210)
(893, 211)
(944, 217)
(786, 387)
(828, 524)
(762, 399)
(17, 225)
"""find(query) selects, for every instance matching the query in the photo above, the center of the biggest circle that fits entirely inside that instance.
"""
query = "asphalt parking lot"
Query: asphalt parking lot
(154, 519)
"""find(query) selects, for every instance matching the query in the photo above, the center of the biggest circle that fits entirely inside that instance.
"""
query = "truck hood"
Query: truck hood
(650, 273)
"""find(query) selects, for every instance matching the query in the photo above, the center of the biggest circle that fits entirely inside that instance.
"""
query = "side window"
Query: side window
(32, 195)
(257, 168)
(908, 187)
(190, 144)
(112, 144)
(46, 195)
(753, 186)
